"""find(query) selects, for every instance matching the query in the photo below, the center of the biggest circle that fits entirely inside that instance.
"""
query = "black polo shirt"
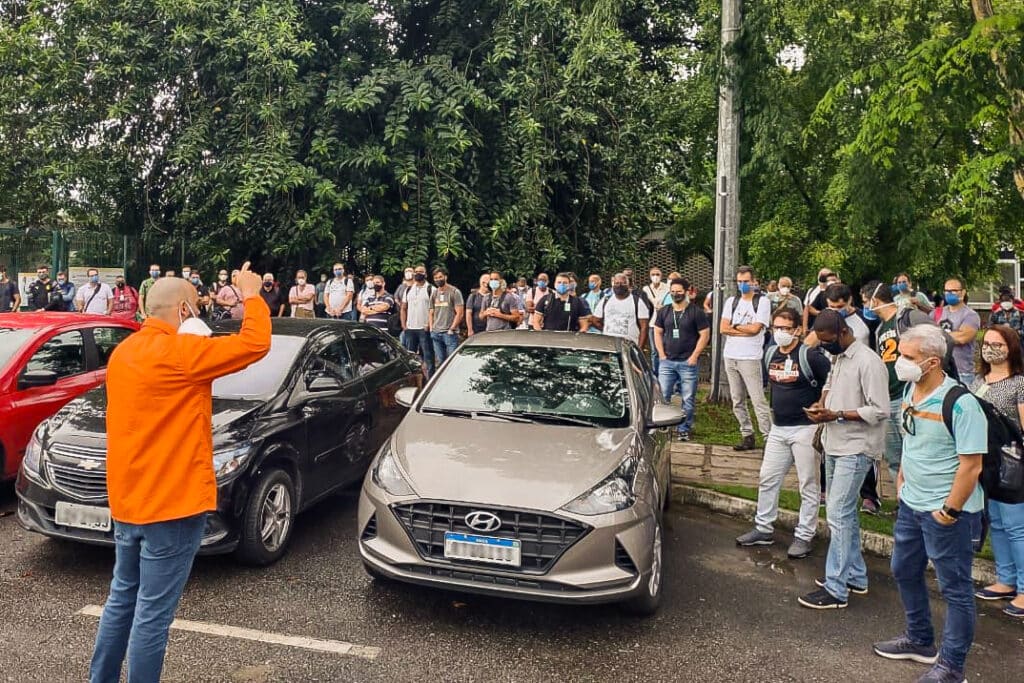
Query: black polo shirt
(680, 330)
(791, 391)
(561, 315)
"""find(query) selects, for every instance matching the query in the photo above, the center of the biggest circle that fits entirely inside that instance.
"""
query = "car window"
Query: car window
(263, 378)
(63, 354)
(107, 339)
(333, 357)
(370, 351)
(12, 339)
(641, 377)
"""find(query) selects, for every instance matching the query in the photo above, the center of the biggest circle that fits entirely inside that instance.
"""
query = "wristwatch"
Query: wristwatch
(840, 418)
(952, 513)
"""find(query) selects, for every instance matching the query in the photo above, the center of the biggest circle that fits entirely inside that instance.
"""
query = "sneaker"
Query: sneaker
(799, 549)
(986, 594)
(856, 590)
(941, 673)
(755, 537)
(682, 436)
(821, 599)
(902, 647)
(870, 507)
(746, 444)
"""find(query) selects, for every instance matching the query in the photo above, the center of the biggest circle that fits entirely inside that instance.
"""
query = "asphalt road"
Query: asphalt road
(729, 615)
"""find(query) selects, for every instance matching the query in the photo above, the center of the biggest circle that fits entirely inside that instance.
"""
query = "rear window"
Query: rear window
(12, 339)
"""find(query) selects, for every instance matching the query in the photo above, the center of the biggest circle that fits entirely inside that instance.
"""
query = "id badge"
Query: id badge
(568, 307)
(675, 334)
(789, 365)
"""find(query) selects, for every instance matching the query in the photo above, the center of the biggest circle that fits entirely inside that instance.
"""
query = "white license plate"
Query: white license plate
(89, 517)
(503, 551)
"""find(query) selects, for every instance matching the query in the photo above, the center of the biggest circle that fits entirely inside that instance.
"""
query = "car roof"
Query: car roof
(52, 319)
(564, 340)
(293, 327)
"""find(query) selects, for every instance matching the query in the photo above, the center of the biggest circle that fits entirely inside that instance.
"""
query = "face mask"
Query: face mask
(823, 279)
(744, 287)
(993, 355)
(835, 348)
(620, 290)
(408, 275)
(440, 282)
(494, 284)
(154, 274)
(1006, 305)
(376, 287)
(869, 314)
(193, 325)
(782, 338)
(908, 371)
(783, 291)
(655, 279)
(902, 286)
(223, 277)
(843, 312)
(41, 276)
(679, 297)
(120, 284)
(591, 286)
(420, 277)
(186, 274)
(338, 273)
(94, 279)
(268, 283)
(562, 288)
(952, 299)
(61, 280)
(301, 281)
(323, 278)
(542, 284)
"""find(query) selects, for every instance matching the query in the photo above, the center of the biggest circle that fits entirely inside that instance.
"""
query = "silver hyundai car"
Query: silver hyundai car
(533, 465)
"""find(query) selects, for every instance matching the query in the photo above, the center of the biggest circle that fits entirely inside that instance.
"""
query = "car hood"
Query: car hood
(536, 466)
(84, 421)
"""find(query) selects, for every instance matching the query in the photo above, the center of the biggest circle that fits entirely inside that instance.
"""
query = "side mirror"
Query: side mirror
(323, 383)
(664, 415)
(406, 395)
(37, 378)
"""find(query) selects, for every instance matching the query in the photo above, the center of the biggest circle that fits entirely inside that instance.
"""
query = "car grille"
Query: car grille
(78, 471)
(544, 537)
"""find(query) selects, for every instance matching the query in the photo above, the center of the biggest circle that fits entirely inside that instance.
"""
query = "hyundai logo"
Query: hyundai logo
(483, 521)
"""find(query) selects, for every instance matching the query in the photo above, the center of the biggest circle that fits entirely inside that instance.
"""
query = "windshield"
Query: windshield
(525, 380)
(264, 377)
(11, 340)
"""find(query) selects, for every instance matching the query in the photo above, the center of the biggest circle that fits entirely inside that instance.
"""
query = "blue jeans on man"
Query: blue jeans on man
(844, 564)
(152, 565)
(444, 343)
(672, 371)
(917, 538)
(418, 341)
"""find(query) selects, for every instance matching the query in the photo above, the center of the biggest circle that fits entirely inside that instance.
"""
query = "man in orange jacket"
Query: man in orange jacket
(160, 478)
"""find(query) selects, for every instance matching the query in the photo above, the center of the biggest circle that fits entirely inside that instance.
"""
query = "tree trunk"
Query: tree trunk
(983, 10)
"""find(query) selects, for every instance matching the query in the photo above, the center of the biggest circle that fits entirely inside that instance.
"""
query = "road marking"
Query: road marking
(337, 647)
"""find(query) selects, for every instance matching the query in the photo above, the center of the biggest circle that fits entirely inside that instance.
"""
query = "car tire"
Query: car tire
(268, 519)
(648, 602)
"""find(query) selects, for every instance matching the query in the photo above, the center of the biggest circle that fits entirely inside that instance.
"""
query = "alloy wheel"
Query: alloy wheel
(275, 517)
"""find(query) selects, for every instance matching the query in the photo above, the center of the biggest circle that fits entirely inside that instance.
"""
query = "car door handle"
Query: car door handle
(360, 406)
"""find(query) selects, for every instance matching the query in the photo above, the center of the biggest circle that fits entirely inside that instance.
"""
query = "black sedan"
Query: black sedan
(289, 430)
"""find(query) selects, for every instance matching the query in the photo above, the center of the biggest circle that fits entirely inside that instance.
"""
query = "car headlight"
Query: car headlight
(388, 476)
(612, 494)
(34, 453)
(228, 461)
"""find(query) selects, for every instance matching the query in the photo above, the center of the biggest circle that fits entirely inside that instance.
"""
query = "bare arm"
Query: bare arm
(964, 335)
(965, 481)
(460, 312)
(659, 344)
(702, 343)
(643, 323)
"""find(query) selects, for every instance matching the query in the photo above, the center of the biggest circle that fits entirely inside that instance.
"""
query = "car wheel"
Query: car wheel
(268, 519)
(648, 602)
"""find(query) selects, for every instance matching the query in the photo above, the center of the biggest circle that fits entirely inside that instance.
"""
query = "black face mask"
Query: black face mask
(823, 279)
(679, 298)
(620, 290)
(420, 277)
(440, 282)
(268, 285)
(835, 348)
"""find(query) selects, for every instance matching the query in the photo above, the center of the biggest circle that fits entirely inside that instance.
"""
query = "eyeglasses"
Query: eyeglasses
(992, 345)
(908, 421)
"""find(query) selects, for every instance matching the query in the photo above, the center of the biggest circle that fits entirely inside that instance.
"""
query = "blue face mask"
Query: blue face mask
(869, 314)
(542, 284)
(494, 284)
(843, 313)
(592, 286)
(339, 273)
(952, 299)
(94, 279)
(562, 288)
(902, 286)
(154, 274)
(744, 287)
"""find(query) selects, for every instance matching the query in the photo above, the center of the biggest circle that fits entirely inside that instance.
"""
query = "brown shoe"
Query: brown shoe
(747, 444)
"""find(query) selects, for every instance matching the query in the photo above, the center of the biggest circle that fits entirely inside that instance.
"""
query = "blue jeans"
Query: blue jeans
(444, 346)
(418, 341)
(672, 371)
(655, 360)
(352, 315)
(1007, 534)
(917, 538)
(894, 437)
(845, 563)
(153, 563)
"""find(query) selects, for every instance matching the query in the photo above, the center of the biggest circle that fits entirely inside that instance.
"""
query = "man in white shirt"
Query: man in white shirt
(95, 296)
(415, 313)
(839, 298)
(624, 314)
(338, 294)
(657, 293)
(744, 321)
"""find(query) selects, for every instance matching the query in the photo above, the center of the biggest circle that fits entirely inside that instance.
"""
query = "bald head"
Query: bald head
(166, 298)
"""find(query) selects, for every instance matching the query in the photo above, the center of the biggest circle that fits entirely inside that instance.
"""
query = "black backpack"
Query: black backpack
(1002, 473)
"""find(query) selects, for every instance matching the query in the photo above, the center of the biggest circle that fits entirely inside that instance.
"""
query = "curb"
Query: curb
(983, 571)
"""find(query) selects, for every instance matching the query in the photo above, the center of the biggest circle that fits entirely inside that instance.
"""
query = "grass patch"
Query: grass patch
(714, 423)
(790, 500)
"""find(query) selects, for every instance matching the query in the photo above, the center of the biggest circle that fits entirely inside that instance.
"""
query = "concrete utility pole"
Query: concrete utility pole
(727, 201)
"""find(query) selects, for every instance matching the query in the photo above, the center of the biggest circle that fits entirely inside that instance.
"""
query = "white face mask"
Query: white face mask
(655, 279)
(908, 370)
(782, 338)
(300, 281)
(193, 325)
(1006, 305)
(784, 291)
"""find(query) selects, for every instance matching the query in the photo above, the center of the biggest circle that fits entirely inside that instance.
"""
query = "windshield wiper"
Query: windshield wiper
(458, 412)
(557, 418)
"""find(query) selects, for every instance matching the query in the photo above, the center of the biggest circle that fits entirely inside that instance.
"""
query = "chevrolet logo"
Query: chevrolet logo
(89, 464)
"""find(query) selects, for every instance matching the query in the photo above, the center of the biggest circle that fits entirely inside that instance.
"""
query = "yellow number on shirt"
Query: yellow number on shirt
(889, 354)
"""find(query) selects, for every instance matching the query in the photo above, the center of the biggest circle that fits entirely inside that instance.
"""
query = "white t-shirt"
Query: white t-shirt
(417, 300)
(746, 348)
(334, 293)
(859, 329)
(657, 294)
(96, 304)
(621, 317)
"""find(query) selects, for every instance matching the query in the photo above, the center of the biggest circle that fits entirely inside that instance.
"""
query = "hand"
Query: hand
(692, 361)
(942, 518)
(248, 282)
(662, 356)
(486, 313)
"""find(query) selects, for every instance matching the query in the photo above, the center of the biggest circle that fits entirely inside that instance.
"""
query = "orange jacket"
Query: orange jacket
(159, 413)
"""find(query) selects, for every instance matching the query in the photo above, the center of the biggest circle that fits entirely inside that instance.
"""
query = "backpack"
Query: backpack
(903, 323)
(1002, 472)
(804, 362)
(603, 303)
(736, 303)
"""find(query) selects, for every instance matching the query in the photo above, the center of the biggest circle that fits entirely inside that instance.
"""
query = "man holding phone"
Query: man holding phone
(854, 408)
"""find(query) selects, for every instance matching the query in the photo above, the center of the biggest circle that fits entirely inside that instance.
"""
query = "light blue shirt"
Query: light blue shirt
(931, 456)
(593, 297)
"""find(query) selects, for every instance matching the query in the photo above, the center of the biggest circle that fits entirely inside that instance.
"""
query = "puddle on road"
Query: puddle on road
(763, 559)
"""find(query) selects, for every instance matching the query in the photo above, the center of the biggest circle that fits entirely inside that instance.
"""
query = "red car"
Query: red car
(47, 359)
